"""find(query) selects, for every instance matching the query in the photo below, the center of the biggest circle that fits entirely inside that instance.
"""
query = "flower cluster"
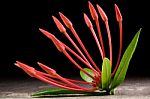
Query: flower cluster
(92, 71)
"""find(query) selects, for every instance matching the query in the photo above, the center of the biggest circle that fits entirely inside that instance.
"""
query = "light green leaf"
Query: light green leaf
(85, 76)
(106, 74)
(123, 66)
(56, 92)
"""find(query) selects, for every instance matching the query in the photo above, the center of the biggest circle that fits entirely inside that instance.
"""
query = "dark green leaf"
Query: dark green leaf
(123, 66)
(106, 74)
(52, 91)
(57, 92)
(86, 77)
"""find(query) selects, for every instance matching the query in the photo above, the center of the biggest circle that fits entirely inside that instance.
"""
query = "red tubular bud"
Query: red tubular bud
(87, 21)
(102, 13)
(57, 43)
(51, 71)
(66, 21)
(46, 33)
(29, 70)
(93, 11)
(59, 25)
(118, 14)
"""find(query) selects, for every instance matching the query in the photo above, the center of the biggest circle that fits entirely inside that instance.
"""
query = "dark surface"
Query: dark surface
(21, 40)
(132, 88)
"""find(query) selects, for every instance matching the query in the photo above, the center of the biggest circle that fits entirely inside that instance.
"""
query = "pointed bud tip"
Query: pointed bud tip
(93, 11)
(48, 34)
(56, 42)
(46, 68)
(44, 31)
(84, 14)
(66, 21)
(17, 61)
(89, 3)
(53, 17)
(16, 64)
(118, 13)
(102, 13)
(59, 25)
(41, 29)
(60, 13)
(38, 63)
(87, 21)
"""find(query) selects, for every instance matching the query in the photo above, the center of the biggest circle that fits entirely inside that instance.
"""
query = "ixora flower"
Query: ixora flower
(96, 79)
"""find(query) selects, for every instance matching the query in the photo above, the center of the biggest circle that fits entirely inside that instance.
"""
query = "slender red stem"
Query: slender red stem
(100, 36)
(56, 42)
(61, 47)
(70, 83)
(31, 71)
(52, 72)
(42, 77)
(79, 82)
(95, 18)
(70, 50)
(70, 26)
(120, 50)
(97, 42)
(84, 49)
(76, 64)
(56, 80)
(105, 19)
(26, 68)
(77, 48)
(90, 26)
(75, 54)
(63, 30)
(57, 84)
(119, 19)
(109, 40)
(54, 76)
(71, 80)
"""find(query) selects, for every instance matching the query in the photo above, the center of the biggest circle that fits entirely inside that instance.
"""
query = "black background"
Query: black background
(21, 40)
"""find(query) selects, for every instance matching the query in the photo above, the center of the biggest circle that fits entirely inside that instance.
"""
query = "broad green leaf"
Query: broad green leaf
(106, 74)
(85, 76)
(62, 92)
(123, 66)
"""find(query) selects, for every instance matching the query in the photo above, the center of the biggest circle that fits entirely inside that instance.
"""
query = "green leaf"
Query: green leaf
(56, 92)
(85, 76)
(123, 66)
(106, 74)
(52, 91)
